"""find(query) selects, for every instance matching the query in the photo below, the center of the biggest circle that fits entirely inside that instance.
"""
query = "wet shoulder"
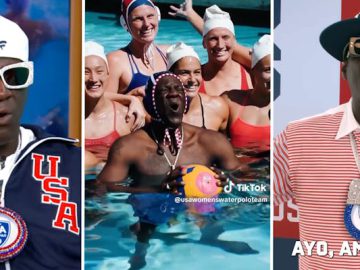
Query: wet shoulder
(134, 140)
(163, 47)
(120, 108)
(209, 137)
(213, 101)
(116, 55)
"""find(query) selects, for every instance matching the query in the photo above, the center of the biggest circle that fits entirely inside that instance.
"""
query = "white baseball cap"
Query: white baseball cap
(177, 51)
(13, 41)
(94, 48)
(215, 17)
(261, 49)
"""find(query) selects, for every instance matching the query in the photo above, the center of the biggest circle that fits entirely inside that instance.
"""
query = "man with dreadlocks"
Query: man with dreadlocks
(152, 156)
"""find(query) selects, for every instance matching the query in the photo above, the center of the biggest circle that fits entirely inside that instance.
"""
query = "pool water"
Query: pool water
(240, 231)
(178, 243)
(103, 29)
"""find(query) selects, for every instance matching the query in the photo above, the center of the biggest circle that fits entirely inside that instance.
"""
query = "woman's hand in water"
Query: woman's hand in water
(171, 182)
(137, 109)
(184, 10)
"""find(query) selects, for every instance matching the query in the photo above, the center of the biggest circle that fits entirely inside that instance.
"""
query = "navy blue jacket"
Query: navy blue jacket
(48, 246)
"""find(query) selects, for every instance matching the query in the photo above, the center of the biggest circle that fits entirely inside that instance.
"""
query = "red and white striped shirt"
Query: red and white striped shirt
(314, 164)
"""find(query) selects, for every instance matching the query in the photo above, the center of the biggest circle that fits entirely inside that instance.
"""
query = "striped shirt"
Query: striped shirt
(314, 164)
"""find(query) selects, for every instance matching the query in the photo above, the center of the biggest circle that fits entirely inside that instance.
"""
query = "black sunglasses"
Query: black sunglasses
(352, 48)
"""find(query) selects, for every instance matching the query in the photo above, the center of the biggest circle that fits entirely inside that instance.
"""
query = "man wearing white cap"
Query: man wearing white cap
(221, 73)
(205, 111)
(249, 121)
(40, 174)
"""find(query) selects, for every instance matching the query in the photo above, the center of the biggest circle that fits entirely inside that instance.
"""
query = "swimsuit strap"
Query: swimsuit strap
(244, 82)
(133, 66)
(202, 87)
(202, 112)
(163, 56)
(114, 107)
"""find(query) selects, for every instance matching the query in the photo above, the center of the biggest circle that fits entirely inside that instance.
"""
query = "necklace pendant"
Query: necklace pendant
(14, 234)
(352, 210)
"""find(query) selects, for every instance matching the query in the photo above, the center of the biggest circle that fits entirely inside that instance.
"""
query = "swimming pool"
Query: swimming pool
(179, 243)
(102, 29)
(184, 241)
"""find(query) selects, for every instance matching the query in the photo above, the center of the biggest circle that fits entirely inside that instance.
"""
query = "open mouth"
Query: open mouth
(174, 107)
(3, 113)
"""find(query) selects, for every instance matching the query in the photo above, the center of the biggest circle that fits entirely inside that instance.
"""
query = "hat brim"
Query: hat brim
(335, 37)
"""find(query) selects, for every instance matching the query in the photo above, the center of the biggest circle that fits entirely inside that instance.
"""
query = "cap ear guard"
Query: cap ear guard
(158, 13)
(123, 23)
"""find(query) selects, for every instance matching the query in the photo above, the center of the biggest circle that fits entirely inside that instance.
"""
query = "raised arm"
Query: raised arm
(185, 10)
(241, 53)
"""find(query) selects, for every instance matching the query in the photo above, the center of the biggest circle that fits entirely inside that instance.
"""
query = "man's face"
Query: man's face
(189, 71)
(219, 43)
(170, 100)
(353, 76)
(96, 74)
(143, 23)
(261, 74)
(11, 106)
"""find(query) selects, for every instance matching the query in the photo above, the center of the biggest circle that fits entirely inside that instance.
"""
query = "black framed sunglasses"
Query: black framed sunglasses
(352, 48)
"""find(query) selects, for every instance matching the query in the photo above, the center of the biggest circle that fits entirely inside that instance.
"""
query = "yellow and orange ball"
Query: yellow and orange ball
(199, 182)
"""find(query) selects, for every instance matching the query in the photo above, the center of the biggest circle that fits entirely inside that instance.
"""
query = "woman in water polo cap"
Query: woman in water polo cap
(105, 120)
(205, 111)
(131, 66)
(249, 122)
(225, 69)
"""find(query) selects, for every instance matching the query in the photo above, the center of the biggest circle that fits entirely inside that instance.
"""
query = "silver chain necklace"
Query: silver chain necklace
(356, 155)
(172, 165)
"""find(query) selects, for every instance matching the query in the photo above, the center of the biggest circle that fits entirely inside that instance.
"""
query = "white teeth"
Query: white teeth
(191, 88)
(94, 87)
(147, 32)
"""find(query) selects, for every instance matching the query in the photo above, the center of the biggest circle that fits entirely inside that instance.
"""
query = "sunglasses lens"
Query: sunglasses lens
(16, 76)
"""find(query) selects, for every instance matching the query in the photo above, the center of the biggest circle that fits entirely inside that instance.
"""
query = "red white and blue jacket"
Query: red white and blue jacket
(45, 189)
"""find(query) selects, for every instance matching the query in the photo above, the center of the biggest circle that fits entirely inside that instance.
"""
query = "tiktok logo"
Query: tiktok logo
(55, 192)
